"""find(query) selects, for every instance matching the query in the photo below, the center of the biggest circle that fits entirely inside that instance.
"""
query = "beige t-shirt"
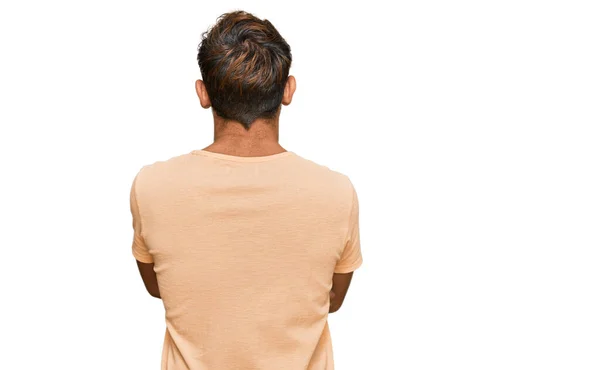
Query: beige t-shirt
(245, 249)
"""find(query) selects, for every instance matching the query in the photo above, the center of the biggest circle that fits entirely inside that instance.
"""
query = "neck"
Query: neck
(233, 139)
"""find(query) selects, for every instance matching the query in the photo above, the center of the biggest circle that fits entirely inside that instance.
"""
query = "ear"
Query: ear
(288, 92)
(202, 94)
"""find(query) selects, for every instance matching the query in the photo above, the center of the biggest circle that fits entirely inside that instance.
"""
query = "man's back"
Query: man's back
(244, 250)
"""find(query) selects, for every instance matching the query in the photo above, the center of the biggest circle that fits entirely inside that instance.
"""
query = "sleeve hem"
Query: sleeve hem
(348, 268)
(143, 257)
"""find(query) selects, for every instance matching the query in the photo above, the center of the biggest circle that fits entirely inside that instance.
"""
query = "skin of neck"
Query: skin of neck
(231, 138)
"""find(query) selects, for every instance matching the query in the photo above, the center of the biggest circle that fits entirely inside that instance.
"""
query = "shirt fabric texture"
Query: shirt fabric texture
(244, 249)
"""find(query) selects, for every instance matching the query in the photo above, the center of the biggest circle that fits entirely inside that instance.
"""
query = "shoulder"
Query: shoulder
(161, 170)
(336, 182)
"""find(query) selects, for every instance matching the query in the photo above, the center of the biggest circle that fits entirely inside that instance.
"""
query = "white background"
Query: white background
(469, 128)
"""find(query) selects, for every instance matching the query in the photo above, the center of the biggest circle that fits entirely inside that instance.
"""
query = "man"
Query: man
(248, 245)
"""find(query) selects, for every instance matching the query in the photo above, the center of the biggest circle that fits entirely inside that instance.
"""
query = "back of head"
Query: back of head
(245, 64)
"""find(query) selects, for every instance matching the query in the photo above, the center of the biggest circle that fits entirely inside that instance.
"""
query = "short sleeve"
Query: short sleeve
(139, 248)
(351, 257)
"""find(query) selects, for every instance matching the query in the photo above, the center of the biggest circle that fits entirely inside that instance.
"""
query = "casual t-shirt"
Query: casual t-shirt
(244, 250)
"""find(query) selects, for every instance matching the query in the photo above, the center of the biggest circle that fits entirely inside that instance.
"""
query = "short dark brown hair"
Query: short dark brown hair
(245, 64)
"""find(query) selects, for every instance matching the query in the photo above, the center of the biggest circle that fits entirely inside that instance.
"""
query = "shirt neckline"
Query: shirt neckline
(239, 158)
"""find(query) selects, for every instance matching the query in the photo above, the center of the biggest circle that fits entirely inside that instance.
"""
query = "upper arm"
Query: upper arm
(351, 256)
(139, 247)
(350, 259)
(144, 258)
